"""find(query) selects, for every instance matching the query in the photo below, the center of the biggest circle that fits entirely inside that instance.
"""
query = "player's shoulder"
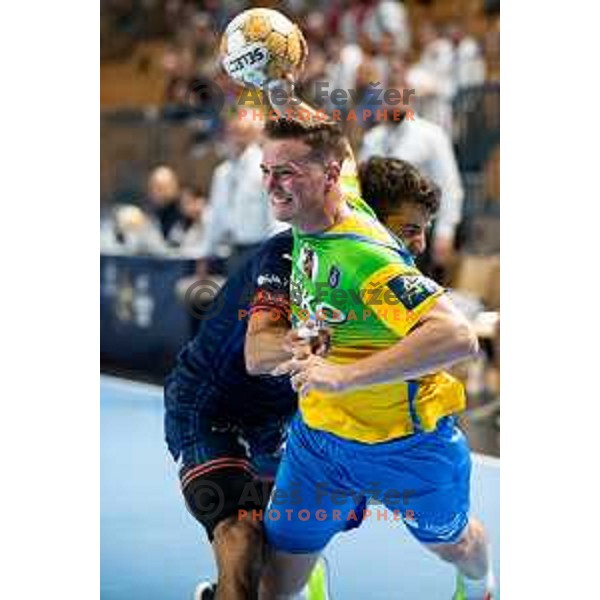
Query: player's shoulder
(369, 246)
(363, 227)
(273, 260)
(376, 253)
(281, 243)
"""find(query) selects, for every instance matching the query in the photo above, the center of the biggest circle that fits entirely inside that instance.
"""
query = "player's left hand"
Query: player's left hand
(315, 373)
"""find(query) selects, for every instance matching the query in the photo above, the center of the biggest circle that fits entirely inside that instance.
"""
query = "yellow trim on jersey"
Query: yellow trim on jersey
(340, 414)
(361, 224)
(384, 409)
(438, 395)
(349, 183)
(379, 413)
(388, 272)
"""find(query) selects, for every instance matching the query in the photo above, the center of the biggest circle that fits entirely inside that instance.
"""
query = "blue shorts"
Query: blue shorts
(423, 479)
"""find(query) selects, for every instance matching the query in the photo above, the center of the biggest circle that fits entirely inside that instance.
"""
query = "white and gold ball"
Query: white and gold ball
(261, 45)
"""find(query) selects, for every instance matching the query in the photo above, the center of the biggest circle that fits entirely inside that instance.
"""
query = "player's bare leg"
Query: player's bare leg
(470, 555)
(239, 548)
(285, 575)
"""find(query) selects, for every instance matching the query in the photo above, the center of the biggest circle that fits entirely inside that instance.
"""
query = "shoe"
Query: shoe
(205, 591)
(468, 589)
(316, 588)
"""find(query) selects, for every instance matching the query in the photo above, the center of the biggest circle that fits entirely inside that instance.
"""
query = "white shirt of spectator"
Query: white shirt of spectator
(390, 16)
(470, 66)
(239, 212)
(386, 15)
(433, 79)
(342, 74)
(428, 147)
(438, 59)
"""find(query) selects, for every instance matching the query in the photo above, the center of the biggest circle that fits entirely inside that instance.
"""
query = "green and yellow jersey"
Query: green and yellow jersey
(361, 281)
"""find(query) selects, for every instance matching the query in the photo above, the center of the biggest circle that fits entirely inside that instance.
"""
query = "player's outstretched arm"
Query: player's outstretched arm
(441, 338)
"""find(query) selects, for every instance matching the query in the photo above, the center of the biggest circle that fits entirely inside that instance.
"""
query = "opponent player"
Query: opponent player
(403, 199)
(226, 427)
(380, 408)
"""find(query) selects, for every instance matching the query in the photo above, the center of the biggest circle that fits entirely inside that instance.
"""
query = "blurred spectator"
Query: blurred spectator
(189, 232)
(342, 65)
(173, 224)
(130, 231)
(427, 147)
(162, 203)
(373, 18)
(385, 56)
(201, 35)
(368, 72)
(314, 71)
(178, 14)
(366, 76)
(180, 68)
(315, 30)
(152, 229)
(446, 65)
(240, 216)
(353, 18)
(433, 77)
(388, 16)
(469, 68)
(221, 12)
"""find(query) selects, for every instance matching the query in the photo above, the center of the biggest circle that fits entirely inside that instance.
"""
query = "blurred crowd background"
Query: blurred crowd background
(181, 197)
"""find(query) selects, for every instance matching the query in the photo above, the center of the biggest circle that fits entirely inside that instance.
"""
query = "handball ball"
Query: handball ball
(261, 45)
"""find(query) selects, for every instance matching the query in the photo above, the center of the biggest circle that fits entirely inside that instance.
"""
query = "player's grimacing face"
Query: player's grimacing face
(294, 181)
(410, 221)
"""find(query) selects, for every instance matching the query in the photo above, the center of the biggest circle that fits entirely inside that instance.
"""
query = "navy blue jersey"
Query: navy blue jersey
(210, 376)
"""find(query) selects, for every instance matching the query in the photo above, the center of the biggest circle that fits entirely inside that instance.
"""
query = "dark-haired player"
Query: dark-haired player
(404, 200)
(225, 427)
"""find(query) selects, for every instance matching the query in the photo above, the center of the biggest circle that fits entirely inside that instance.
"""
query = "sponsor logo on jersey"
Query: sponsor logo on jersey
(334, 277)
(412, 290)
(268, 279)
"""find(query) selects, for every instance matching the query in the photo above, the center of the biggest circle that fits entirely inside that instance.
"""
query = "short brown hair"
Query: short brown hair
(388, 182)
(325, 138)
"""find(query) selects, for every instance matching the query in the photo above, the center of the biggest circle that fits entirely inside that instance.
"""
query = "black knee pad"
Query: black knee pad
(221, 493)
